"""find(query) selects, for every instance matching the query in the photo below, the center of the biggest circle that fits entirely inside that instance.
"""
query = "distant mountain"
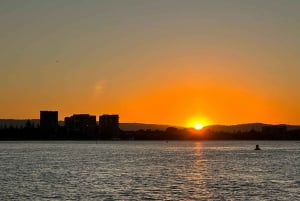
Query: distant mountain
(21, 122)
(244, 127)
(142, 126)
(17, 122)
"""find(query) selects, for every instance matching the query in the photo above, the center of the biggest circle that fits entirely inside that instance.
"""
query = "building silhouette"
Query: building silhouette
(49, 122)
(81, 126)
(109, 126)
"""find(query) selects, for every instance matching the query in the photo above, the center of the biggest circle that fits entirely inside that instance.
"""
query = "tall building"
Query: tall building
(109, 126)
(81, 125)
(49, 121)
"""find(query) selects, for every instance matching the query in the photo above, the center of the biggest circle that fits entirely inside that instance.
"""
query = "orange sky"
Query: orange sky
(169, 62)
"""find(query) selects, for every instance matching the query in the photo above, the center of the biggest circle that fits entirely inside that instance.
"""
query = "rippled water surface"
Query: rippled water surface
(137, 170)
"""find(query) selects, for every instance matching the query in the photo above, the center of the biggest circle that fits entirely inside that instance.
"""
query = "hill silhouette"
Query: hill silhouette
(244, 127)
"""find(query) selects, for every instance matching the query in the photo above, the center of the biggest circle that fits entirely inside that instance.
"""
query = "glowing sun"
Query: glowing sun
(197, 123)
(198, 126)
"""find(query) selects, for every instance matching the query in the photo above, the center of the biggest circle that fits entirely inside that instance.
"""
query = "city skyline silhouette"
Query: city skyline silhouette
(86, 127)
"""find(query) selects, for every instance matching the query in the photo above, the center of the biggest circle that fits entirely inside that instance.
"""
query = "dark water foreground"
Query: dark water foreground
(152, 170)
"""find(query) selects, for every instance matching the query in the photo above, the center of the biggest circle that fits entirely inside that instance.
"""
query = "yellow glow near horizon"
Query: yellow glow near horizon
(198, 126)
(197, 123)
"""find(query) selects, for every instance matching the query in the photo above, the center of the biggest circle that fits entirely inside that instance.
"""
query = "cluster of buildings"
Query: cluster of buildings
(81, 125)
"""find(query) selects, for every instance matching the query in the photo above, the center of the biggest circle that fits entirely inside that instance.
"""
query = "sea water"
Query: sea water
(150, 170)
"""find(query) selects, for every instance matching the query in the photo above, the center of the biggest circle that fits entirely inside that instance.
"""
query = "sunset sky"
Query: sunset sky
(164, 62)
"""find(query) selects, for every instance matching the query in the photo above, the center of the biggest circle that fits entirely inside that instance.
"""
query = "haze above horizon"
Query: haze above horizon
(163, 62)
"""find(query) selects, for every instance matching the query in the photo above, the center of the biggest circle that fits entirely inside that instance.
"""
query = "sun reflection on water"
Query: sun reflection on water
(199, 170)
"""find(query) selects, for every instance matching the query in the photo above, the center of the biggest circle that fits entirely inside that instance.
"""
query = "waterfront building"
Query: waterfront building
(49, 121)
(109, 126)
(81, 125)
